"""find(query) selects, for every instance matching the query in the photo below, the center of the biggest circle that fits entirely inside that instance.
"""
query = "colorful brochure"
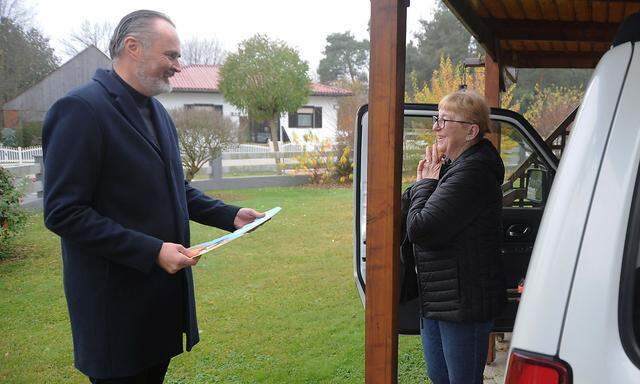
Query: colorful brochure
(220, 241)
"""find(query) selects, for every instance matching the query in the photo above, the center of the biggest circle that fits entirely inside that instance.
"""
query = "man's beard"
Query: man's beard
(153, 85)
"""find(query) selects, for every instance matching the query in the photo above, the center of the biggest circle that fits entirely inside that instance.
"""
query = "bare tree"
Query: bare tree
(203, 51)
(203, 135)
(18, 12)
(348, 111)
(96, 34)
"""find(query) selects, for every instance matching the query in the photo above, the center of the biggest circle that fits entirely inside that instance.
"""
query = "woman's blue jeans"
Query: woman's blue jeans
(455, 353)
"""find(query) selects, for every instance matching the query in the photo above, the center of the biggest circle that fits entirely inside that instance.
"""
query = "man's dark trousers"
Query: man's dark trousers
(151, 375)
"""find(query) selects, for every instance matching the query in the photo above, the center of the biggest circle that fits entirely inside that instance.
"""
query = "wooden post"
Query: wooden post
(491, 82)
(492, 94)
(386, 96)
(39, 176)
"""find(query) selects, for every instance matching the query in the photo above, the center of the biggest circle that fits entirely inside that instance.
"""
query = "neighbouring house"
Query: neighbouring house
(196, 86)
(31, 105)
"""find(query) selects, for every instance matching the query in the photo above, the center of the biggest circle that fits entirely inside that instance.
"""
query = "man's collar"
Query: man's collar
(114, 86)
(140, 99)
(124, 102)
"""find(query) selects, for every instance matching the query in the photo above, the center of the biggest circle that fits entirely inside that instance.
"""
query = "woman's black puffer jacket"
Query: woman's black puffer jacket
(455, 226)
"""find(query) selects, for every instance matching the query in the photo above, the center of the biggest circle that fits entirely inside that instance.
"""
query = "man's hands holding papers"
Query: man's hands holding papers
(174, 257)
(246, 216)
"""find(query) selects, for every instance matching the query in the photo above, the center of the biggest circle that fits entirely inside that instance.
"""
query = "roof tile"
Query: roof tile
(204, 78)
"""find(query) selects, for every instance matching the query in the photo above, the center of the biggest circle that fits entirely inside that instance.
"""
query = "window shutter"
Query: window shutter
(293, 119)
(317, 120)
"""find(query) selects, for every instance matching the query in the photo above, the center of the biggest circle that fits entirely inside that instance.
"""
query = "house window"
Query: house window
(306, 117)
(204, 107)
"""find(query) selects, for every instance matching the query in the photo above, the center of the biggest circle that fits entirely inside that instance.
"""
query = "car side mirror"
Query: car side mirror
(537, 185)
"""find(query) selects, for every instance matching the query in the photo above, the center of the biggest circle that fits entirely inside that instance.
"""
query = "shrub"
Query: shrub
(26, 135)
(550, 106)
(343, 169)
(8, 138)
(348, 107)
(203, 135)
(12, 217)
(317, 163)
(29, 134)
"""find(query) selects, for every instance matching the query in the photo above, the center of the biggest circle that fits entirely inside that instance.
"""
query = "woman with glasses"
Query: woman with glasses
(454, 224)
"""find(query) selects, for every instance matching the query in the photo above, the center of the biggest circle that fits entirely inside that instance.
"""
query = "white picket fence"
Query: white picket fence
(19, 155)
(248, 148)
(10, 155)
(266, 148)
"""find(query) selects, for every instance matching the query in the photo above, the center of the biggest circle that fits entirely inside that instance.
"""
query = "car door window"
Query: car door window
(526, 181)
(527, 177)
(417, 135)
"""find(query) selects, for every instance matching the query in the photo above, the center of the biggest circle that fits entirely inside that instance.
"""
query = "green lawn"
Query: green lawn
(277, 306)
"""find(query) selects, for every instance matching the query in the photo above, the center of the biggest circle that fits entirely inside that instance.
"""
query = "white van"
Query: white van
(579, 316)
(578, 321)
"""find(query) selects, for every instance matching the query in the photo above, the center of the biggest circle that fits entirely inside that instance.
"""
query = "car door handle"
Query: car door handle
(518, 231)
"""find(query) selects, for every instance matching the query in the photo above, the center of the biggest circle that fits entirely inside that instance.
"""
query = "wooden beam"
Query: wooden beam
(492, 96)
(492, 82)
(550, 59)
(386, 97)
(552, 30)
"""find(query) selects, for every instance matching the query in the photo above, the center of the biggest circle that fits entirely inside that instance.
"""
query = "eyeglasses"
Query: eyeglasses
(441, 122)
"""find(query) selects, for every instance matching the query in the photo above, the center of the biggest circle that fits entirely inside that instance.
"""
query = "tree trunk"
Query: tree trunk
(191, 172)
(275, 125)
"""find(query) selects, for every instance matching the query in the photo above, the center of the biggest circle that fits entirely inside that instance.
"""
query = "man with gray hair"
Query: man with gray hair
(114, 191)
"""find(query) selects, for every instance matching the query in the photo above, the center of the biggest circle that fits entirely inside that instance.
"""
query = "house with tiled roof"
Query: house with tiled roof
(196, 86)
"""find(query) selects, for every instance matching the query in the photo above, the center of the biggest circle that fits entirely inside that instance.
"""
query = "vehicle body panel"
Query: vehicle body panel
(550, 274)
(591, 323)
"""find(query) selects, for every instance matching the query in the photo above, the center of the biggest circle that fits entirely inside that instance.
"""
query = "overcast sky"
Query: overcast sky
(303, 24)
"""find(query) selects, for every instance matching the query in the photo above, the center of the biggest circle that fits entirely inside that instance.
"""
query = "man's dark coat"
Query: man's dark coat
(114, 196)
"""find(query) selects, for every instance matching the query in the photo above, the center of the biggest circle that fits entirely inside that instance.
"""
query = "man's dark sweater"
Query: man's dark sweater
(144, 107)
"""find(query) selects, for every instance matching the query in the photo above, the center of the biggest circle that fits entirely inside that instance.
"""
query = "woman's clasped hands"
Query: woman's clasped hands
(429, 167)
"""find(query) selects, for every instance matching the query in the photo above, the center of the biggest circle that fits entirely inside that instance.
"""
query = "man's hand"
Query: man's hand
(246, 216)
(174, 257)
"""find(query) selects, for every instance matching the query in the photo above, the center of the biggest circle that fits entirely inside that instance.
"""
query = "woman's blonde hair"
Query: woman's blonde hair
(470, 107)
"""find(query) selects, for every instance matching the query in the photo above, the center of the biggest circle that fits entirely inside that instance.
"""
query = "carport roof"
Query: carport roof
(544, 33)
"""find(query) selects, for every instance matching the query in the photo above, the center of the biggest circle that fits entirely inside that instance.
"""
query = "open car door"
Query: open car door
(530, 167)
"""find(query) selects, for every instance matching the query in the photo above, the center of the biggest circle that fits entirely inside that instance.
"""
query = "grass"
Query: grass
(277, 306)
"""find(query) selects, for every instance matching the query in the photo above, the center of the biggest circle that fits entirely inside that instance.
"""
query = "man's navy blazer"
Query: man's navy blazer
(114, 196)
